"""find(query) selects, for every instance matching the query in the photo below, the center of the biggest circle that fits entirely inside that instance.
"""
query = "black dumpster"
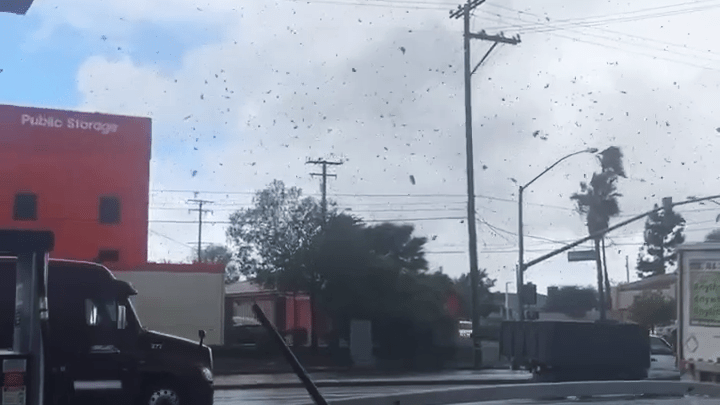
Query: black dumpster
(573, 351)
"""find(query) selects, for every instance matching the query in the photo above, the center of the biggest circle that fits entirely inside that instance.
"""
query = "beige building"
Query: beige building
(624, 295)
(180, 299)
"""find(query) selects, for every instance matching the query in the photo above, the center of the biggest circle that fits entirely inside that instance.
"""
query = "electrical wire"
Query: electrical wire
(607, 18)
(682, 62)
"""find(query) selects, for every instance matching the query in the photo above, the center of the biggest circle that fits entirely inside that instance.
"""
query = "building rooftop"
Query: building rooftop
(659, 282)
(246, 287)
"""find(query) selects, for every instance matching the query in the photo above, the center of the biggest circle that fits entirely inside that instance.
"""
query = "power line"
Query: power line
(172, 221)
(683, 49)
(551, 32)
(170, 239)
(381, 195)
(614, 17)
(373, 4)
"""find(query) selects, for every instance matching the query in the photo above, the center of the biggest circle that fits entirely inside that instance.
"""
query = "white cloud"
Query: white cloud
(384, 89)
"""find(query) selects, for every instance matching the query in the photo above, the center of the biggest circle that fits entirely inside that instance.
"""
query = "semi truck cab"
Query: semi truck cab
(98, 351)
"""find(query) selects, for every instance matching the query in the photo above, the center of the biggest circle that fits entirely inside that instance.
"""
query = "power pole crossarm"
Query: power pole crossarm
(324, 175)
(495, 38)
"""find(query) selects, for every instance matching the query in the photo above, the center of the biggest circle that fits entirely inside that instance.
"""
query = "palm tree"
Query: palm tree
(598, 201)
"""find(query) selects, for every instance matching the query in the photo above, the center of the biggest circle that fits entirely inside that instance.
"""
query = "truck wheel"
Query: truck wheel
(163, 393)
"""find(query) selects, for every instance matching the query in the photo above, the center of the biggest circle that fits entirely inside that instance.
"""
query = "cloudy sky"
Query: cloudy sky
(244, 92)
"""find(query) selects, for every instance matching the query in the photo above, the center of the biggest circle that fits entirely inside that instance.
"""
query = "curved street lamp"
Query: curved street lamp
(521, 265)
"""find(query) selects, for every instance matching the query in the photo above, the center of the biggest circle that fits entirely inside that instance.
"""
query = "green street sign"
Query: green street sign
(582, 256)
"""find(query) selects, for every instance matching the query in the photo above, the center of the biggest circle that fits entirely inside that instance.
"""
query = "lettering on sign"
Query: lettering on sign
(71, 123)
(704, 292)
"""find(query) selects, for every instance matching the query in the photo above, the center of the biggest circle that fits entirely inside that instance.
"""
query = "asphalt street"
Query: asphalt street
(296, 396)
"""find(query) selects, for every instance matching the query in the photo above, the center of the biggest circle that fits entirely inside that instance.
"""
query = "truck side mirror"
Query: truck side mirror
(122, 317)
(91, 313)
(201, 335)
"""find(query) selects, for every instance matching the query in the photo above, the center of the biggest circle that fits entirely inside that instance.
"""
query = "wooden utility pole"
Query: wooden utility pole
(464, 12)
(324, 175)
(200, 211)
(313, 288)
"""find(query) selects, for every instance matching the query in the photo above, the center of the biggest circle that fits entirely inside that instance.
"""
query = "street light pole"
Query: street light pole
(507, 301)
(521, 246)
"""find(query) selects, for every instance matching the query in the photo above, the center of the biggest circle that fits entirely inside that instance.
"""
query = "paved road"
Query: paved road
(296, 396)
(329, 379)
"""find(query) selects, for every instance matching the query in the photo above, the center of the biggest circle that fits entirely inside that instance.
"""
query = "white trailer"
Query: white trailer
(698, 336)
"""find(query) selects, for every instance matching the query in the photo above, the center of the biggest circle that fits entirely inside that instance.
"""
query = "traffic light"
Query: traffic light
(667, 206)
(15, 6)
(529, 294)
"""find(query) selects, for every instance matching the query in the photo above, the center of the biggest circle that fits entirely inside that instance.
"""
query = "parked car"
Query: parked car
(248, 333)
(663, 362)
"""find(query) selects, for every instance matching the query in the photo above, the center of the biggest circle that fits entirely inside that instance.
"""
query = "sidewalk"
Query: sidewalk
(357, 379)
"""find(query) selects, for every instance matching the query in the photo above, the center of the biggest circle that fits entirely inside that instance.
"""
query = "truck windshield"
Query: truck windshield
(132, 313)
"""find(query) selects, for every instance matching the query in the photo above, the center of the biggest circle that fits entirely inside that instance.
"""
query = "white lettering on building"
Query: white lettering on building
(72, 123)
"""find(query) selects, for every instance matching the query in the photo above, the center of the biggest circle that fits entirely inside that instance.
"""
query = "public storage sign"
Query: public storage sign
(41, 120)
(54, 130)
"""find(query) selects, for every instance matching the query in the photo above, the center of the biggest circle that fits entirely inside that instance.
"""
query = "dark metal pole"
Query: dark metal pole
(200, 212)
(521, 260)
(601, 289)
(521, 246)
(472, 232)
(290, 357)
(612, 228)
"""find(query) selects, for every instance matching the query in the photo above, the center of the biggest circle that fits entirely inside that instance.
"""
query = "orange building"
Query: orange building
(85, 176)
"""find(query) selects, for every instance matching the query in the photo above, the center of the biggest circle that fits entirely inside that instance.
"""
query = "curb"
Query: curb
(371, 383)
(274, 371)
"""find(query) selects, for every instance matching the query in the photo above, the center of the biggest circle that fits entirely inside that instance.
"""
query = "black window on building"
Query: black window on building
(108, 255)
(25, 208)
(109, 210)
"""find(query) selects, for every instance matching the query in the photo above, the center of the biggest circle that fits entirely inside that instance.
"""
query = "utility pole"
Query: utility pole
(324, 175)
(627, 268)
(313, 288)
(200, 211)
(464, 12)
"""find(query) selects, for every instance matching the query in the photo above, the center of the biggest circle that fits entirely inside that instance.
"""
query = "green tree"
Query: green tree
(380, 273)
(486, 303)
(713, 236)
(598, 201)
(663, 233)
(273, 239)
(651, 309)
(572, 301)
(219, 254)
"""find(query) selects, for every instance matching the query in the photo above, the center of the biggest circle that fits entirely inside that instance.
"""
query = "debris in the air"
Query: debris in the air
(402, 49)
(412, 179)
